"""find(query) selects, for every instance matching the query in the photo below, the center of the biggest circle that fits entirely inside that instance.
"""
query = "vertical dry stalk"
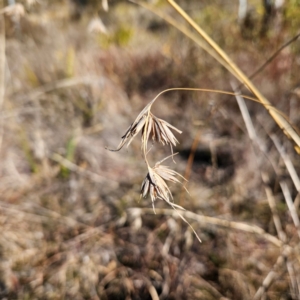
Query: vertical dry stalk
(205, 220)
(186, 31)
(287, 161)
(284, 257)
(275, 215)
(252, 135)
(272, 275)
(2, 65)
(290, 204)
(279, 119)
(293, 280)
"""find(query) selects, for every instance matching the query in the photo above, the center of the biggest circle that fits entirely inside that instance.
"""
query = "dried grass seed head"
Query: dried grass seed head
(160, 131)
(150, 125)
(155, 185)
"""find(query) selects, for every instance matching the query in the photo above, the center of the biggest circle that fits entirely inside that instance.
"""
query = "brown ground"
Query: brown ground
(71, 219)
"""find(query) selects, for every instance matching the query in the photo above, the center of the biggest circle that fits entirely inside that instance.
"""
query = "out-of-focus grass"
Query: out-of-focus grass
(67, 225)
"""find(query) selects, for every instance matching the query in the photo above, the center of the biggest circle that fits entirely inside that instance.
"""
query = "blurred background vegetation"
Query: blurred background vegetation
(74, 75)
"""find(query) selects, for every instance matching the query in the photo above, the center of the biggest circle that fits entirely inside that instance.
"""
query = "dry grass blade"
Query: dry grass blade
(2, 68)
(293, 282)
(221, 222)
(74, 168)
(290, 204)
(275, 54)
(185, 30)
(282, 122)
(277, 222)
(105, 5)
(272, 275)
(35, 94)
(287, 161)
(253, 136)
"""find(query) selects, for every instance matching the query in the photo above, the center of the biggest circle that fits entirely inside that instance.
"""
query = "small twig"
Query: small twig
(269, 279)
(2, 69)
(293, 281)
(60, 84)
(253, 136)
(38, 217)
(274, 55)
(297, 201)
(242, 10)
(272, 274)
(216, 221)
(287, 161)
(14, 211)
(290, 204)
(185, 30)
(152, 291)
(275, 215)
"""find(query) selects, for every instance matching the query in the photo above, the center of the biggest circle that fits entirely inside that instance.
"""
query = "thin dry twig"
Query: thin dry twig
(283, 258)
(60, 84)
(214, 221)
(287, 161)
(269, 60)
(253, 136)
(293, 281)
(2, 69)
(272, 275)
(290, 204)
(185, 30)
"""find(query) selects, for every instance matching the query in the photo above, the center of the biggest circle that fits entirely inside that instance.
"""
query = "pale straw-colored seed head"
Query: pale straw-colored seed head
(150, 126)
(135, 127)
(154, 184)
(160, 131)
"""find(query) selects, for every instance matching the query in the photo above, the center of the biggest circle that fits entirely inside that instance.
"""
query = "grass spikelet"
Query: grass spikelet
(155, 185)
(150, 126)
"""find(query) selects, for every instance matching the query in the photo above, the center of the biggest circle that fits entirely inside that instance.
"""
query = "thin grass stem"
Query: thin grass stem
(279, 119)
